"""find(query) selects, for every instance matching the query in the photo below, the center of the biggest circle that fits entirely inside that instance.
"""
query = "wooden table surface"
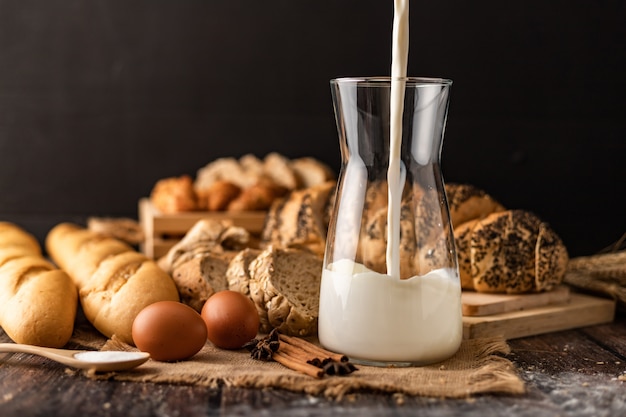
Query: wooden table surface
(570, 373)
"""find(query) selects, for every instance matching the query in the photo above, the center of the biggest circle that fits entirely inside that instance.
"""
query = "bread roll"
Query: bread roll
(205, 236)
(217, 196)
(311, 172)
(467, 202)
(38, 302)
(278, 168)
(174, 195)
(115, 282)
(284, 285)
(514, 252)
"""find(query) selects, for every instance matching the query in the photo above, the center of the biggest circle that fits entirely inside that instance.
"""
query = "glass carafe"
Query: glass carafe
(393, 303)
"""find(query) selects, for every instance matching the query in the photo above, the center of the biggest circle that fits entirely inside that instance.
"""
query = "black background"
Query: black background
(100, 99)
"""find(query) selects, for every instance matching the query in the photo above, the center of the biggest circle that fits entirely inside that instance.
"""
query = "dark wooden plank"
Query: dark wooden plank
(573, 372)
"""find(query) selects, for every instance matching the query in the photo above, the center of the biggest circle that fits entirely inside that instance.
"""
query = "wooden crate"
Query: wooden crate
(162, 231)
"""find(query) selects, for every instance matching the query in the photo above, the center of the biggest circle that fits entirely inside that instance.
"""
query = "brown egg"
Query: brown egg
(169, 331)
(231, 319)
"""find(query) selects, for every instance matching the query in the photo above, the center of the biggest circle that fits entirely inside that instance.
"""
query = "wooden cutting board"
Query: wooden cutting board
(483, 304)
(579, 311)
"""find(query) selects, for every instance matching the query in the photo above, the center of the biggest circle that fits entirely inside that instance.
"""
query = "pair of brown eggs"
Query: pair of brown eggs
(173, 331)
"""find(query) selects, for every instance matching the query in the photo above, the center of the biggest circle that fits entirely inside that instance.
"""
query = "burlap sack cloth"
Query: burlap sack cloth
(477, 368)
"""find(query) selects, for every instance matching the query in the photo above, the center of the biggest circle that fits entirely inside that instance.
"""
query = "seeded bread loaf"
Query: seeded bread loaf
(513, 252)
(467, 202)
(114, 282)
(284, 285)
(299, 220)
(38, 301)
(462, 237)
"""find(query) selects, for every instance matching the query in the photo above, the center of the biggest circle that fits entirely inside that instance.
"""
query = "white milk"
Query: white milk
(375, 317)
(399, 62)
(380, 318)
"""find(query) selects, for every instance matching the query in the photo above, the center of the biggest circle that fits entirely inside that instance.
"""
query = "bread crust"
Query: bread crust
(513, 252)
(174, 195)
(38, 301)
(114, 282)
(284, 285)
(467, 202)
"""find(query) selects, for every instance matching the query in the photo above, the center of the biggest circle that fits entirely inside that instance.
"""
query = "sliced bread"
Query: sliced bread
(284, 285)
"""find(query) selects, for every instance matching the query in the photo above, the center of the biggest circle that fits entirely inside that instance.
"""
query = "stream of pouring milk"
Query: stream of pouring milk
(399, 63)
(377, 317)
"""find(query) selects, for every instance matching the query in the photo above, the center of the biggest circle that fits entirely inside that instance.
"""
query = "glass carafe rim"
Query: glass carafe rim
(385, 81)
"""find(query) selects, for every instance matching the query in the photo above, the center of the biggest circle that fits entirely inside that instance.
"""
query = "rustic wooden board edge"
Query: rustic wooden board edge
(581, 311)
(483, 304)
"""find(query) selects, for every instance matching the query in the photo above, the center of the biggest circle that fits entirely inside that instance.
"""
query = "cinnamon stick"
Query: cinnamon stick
(315, 350)
(297, 365)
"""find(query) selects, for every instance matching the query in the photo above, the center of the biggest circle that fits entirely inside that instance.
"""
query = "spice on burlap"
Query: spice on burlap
(477, 368)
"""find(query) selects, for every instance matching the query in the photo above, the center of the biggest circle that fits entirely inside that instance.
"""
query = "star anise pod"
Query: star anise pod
(333, 367)
(263, 349)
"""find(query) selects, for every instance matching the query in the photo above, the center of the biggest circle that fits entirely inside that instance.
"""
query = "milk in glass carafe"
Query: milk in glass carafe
(390, 291)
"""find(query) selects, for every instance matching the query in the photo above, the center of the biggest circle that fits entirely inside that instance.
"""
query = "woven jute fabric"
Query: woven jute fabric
(479, 367)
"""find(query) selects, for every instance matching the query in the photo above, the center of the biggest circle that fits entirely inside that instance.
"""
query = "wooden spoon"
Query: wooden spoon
(97, 360)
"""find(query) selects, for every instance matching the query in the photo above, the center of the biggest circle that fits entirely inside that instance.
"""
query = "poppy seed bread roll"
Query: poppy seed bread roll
(38, 301)
(467, 202)
(114, 282)
(514, 252)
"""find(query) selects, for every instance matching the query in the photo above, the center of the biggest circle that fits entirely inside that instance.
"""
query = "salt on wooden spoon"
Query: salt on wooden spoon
(99, 361)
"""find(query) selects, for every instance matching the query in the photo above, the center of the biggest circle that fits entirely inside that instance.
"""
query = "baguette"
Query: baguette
(114, 281)
(38, 301)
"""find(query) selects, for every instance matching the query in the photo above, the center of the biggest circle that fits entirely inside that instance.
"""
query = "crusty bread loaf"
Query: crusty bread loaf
(198, 263)
(311, 172)
(238, 271)
(462, 237)
(201, 277)
(284, 285)
(174, 195)
(424, 245)
(38, 301)
(115, 282)
(125, 229)
(217, 195)
(79, 251)
(514, 252)
(298, 220)
(205, 236)
(278, 168)
(468, 202)
(256, 197)
(228, 169)
(12, 236)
